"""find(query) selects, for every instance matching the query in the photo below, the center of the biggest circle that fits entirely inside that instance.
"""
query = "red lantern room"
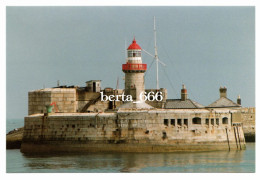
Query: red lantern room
(134, 59)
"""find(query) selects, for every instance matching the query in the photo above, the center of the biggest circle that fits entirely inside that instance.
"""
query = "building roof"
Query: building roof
(179, 104)
(93, 81)
(134, 45)
(223, 102)
(55, 89)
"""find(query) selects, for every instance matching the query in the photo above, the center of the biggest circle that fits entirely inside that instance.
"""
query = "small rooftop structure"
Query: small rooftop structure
(223, 102)
(91, 81)
(93, 85)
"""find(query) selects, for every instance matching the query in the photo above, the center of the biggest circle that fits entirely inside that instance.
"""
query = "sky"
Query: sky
(202, 47)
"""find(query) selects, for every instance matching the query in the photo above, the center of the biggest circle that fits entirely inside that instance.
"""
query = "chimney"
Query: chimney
(239, 100)
(223, 91)
(184, 95)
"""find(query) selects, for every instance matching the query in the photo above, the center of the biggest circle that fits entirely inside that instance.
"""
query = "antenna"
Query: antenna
(117, 83)
(125, 50)
(156, 54)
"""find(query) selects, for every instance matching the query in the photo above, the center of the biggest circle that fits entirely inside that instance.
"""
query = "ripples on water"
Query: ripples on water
(220, 161)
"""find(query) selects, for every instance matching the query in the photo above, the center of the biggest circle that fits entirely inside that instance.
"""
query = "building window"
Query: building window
(217, 121)
(186, 122)
(225, 120)
(212, 122)
(207, 121)
(164, 135)
(179, 122)
(110, 105)
(173, 122)
(165, 122)
(196, 120)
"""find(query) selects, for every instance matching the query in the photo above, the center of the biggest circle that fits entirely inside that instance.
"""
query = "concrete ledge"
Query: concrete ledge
(74, 147)
(14, 139)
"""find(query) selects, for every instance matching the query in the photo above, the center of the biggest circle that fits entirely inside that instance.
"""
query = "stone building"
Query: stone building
(246, 116)
(223, 101)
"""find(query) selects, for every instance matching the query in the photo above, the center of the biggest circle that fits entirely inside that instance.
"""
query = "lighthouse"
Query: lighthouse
(134, 70)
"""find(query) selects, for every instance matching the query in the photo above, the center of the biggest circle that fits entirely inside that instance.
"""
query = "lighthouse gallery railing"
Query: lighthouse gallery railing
(129, 66)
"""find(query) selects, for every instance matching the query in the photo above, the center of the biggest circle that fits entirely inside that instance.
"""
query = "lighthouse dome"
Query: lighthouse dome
(134, 45)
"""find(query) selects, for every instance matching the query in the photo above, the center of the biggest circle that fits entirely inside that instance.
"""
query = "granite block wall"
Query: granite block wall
(131, 131)
(65, 99)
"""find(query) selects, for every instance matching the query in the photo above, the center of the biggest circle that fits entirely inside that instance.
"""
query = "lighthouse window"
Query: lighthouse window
(225, 120)
(196, 120)
(134, 54)
(130, 54)
(137, 54)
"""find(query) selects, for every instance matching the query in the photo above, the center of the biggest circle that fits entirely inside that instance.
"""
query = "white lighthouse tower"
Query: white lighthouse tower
(134, 70)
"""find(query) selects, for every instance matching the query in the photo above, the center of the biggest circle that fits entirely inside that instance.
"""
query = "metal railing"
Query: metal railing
(138, 67)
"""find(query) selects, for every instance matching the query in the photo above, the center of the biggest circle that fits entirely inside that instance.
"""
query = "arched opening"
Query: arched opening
(196, 120)
(225, 120)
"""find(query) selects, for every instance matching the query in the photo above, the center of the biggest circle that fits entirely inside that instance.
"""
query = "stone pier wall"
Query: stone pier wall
(140, 131)
(248, 120)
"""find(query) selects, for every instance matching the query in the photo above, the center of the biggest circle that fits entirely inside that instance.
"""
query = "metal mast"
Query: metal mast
(125, 51)
(156, 55)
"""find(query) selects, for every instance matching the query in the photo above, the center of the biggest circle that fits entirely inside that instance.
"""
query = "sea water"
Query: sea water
(186, 162)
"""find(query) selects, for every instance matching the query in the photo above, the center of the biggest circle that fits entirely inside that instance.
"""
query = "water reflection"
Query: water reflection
(219, 161)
